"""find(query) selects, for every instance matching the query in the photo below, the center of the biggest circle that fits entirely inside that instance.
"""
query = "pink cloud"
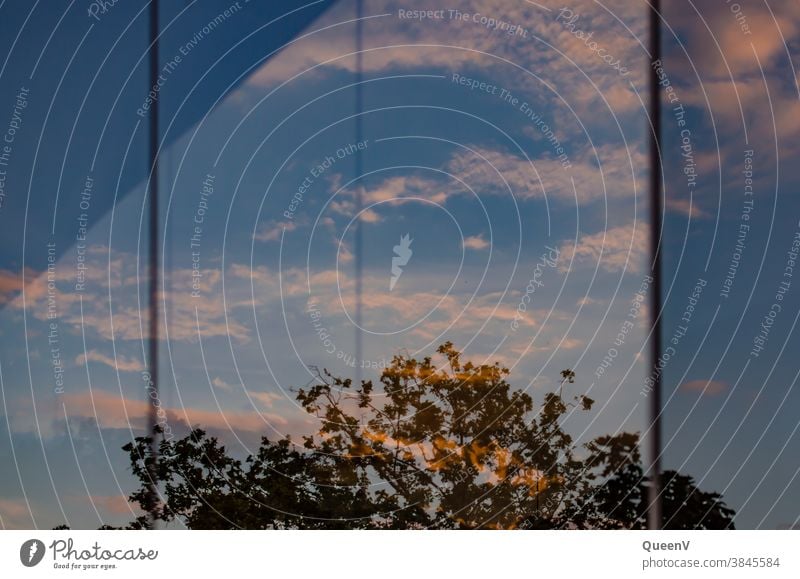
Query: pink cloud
(113, 504)
(112, 411)
(267, 399)
(616, 249)
(687, 207)
(122, 363)
(222, 385)
(705, 387)
(476, 242)
(608, 171)
(273, 230)
(14, 514)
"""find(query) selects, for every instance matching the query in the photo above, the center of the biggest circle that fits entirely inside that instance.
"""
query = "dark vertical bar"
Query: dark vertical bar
(359, 265)
(153, 265)
(654, 489)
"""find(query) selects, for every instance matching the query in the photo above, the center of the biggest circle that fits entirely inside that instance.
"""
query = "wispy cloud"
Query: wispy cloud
(122, 363)
(615, 249)
(112, 411)
(605, 172)
(686, 207)
(218, 382)
(272, 230)
(266, 399)
(705, 387)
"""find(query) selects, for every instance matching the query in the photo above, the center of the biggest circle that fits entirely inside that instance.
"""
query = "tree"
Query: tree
(450, 447)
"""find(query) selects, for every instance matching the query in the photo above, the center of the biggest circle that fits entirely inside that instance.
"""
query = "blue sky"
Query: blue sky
(468, 171)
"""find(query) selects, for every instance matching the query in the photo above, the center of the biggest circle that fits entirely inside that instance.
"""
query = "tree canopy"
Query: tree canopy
(452, 446)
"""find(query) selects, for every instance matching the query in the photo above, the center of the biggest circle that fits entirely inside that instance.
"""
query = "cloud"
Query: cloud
(393, 44)
(382, 308)
(14, 514)
(10, 284)
(330, 41)
(617, 249)
(294, 280)
(607, 171)
(393, 191)
(272, 230)
(345, 253)
(370, 216)
(398, 188)
(589, 301)
(222, 385)
(347, 208)
(112, 411)
(729, 63)
(37, 285)
(191, 297)
(687, 207)
(767, 27)
(122, 363)
(267, 399)
(601, 173)
(476, 242)
(112, 504)
(571, 344)
(704, 387)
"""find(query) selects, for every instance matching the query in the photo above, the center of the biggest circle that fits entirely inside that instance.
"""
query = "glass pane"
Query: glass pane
(730, 134)
(73, 154)
(492, 160)
(472, 188)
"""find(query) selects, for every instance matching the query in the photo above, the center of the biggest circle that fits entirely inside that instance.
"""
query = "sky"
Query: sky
(506, 146)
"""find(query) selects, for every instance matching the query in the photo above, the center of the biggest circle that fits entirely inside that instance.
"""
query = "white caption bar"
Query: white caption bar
(353, 554)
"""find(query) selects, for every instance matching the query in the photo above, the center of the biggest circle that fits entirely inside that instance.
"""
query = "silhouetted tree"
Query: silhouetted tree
(450, 447)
